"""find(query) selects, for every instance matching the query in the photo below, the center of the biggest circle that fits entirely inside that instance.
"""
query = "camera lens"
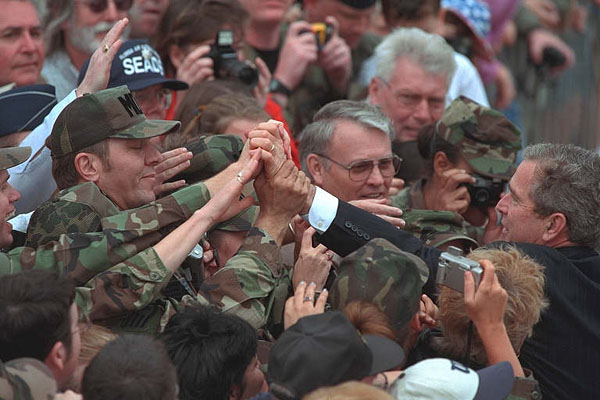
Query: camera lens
(481, 196)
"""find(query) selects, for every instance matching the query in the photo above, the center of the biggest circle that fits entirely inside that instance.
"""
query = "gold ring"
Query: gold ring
(105, 48)
(308, 298)
(239, 177)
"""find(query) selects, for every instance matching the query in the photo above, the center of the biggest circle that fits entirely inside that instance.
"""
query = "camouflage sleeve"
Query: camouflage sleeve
(83, 255)
(127, 286)
(246, 282)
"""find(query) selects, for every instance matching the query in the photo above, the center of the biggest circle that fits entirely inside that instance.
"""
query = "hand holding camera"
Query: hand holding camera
(298, 51)
(196, 66)
(335, 57)
(452, 268)
(451, 193)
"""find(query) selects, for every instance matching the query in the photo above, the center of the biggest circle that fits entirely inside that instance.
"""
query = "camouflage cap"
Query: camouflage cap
(437, 228)
(381, 273)
(488, 141)
(26, 379)
(97, 116)
(11, 156)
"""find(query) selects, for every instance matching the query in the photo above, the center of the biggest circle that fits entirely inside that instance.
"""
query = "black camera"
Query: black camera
(485, 192)
(226, 62)
(451, 269)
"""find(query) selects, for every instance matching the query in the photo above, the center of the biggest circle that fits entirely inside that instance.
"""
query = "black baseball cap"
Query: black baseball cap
(137, 65)
(25, 107)
(324, 350)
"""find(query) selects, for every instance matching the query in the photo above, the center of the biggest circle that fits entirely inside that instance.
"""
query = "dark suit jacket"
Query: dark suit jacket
(564, 350)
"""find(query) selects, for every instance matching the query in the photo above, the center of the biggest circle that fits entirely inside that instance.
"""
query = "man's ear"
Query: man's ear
(88, 166)
(235, 393)
(57, 358)
(374, 91)
(556, 228)
(315, 167)
(176, 55)
(441, 163)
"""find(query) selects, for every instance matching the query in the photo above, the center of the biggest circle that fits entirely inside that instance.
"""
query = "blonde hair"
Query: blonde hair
(348, 391)
(521, 277)
(93, 339)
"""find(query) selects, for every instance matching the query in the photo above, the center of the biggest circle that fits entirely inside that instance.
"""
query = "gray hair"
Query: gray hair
(567, 180)
(315, 137)
(53, 13)
(430, 51)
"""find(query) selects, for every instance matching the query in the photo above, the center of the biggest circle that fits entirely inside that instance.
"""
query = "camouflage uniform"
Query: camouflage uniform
(486, 140)
(26, 379)
(381, 273)
(241, 286)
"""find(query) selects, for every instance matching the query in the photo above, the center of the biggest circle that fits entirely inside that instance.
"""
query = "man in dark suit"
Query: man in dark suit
(551, 212)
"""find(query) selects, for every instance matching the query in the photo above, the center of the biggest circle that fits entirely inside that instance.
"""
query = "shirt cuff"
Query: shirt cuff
(322, 210)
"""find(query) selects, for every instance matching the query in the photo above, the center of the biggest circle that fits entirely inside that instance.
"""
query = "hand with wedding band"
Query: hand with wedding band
(271, 137)
(303, 303)
(98, 73)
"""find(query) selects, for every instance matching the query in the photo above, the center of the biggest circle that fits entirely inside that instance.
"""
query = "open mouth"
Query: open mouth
(10, 215)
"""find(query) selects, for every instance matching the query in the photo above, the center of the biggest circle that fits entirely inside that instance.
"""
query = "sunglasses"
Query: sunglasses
(98, 6)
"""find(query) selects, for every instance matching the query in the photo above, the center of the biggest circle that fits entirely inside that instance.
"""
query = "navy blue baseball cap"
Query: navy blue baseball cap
(137, 65)
(25, 107)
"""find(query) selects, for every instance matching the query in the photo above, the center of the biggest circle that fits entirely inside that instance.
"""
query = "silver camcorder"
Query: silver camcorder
(451, 268)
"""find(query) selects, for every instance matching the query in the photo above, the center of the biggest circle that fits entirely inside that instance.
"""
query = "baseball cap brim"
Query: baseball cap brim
(495, 382)
(11, 156)
(147, 128)
(171, 84)
(387, 354)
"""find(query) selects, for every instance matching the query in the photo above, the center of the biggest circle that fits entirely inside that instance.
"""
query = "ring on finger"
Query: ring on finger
(105, 48)
(239, 177)
(308, 298)
(272, 147)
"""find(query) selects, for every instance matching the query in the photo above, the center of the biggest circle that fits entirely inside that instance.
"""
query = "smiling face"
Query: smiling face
(412, 98)
(21, 44)
(352, 142)
(129, 178)
(8, 196)
(520, 223)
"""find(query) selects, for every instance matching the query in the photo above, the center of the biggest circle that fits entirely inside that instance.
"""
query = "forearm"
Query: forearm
(222, 178)
(176, 246)
(498, 347)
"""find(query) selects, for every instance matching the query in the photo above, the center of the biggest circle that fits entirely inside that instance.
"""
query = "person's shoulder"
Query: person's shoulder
(26, 378)
(438, 228)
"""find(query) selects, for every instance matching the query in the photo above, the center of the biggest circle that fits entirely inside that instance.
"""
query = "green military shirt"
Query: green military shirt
(242, 286)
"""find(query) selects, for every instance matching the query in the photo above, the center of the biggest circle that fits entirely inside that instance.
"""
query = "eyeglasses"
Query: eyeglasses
(410, 100)
(360, 170)
(98, 6)
(146, 98)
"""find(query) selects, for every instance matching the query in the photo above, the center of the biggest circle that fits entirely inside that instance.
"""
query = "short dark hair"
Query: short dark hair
(131, 367)
(429, 143)
(408, 10)
(34, 314)
(63, 168)
(211, 351)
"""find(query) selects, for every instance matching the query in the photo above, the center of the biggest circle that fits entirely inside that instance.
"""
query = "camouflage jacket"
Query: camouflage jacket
(242, 286)
(26, 379)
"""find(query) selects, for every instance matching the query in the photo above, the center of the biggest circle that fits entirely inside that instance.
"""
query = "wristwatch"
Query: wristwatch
(277, 87)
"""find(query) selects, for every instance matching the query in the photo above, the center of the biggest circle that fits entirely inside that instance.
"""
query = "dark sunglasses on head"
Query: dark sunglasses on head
(99, 6)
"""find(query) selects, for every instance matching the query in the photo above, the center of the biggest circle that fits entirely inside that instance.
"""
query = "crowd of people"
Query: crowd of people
(321, 199)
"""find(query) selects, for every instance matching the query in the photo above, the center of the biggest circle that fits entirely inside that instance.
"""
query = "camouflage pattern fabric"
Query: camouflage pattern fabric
(434, 228)
(211, 155)
(94, 117)
(381, 273)
(26, 379)
(11, 156)
(78, 209)
(487, 140)
(439, 228)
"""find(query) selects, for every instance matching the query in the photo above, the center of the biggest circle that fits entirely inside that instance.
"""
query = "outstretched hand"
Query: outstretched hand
(98, 72)
(313, 263)
(171, 163)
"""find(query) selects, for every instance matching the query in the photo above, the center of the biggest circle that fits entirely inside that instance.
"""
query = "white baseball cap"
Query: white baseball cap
(441, 378)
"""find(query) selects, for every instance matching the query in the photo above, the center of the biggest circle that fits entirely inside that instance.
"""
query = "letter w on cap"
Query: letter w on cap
(129, 104)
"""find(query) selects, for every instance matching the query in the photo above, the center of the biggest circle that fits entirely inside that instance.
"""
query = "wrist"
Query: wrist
(309, 200)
